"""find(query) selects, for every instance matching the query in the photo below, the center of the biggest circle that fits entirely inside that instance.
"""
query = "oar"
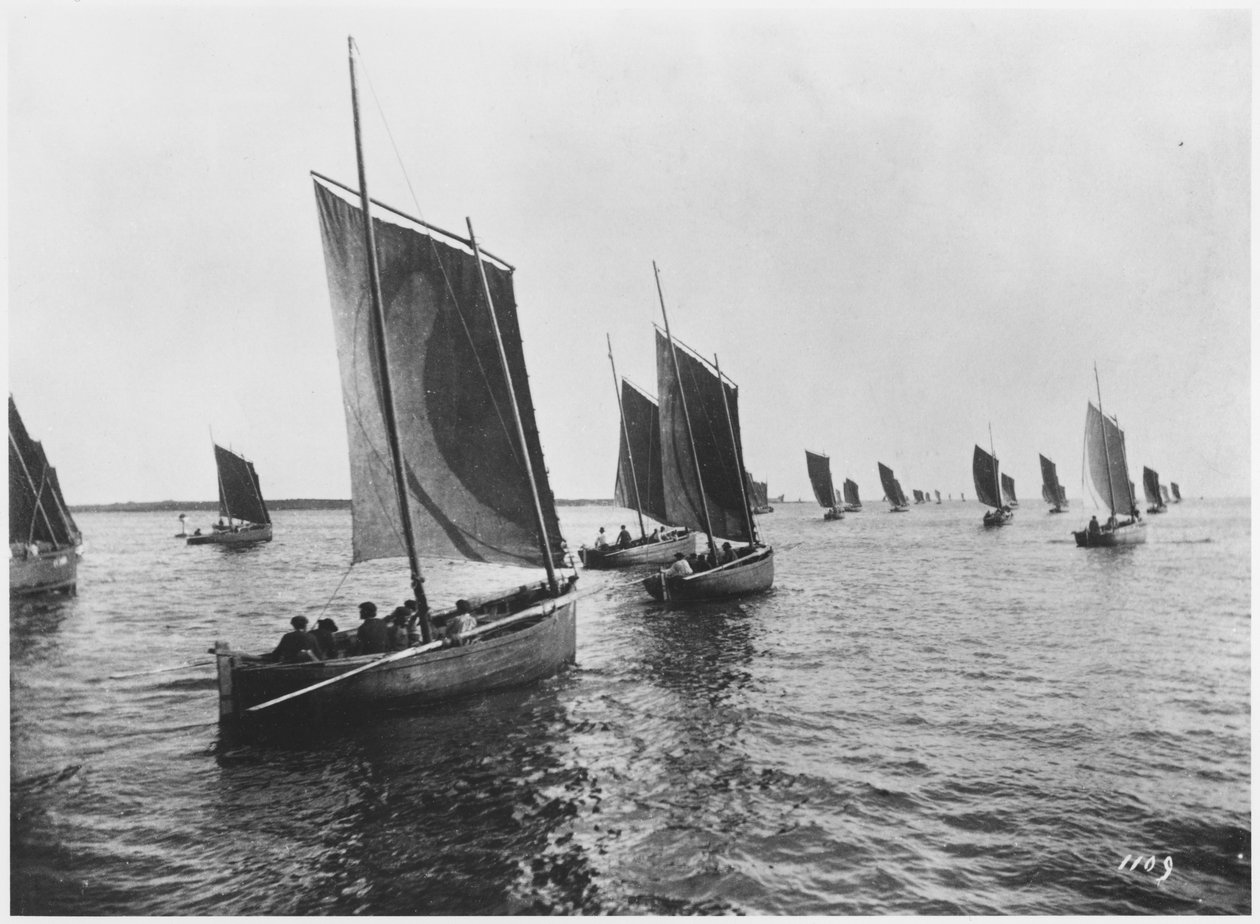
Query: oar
(162, 670)
(540, 609)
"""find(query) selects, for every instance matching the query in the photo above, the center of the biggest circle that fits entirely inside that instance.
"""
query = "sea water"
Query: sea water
(923, 716)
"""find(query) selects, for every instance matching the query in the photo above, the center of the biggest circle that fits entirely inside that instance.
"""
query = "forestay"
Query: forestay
(468, 492)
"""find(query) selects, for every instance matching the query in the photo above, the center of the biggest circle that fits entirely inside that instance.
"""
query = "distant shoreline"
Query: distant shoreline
(297, 503)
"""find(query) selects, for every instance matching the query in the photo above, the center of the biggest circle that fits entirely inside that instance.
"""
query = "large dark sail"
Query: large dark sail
(719, 459)
(1008, 490)
(1051, 490)
(891, 486)
(1104, 453)
(240, 495)
(851, 493)
(468, 492)
(984, 473)
(1150, 486)
(819, 467)
(37, 511)
(643, 424)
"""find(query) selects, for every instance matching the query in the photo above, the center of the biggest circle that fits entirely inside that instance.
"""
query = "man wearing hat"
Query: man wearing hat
(679, 568)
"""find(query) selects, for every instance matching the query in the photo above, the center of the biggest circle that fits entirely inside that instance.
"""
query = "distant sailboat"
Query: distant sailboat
(1108, 471)
(43, 537)
(1163, 491)
(703, 460)
(639, 485)
(240, 499)
(758, 494)
(1150, 486)
(1008, 491)
(985, 474)
(918, 495)
(892, 490)
(852, 501)
(819, 468)
(1052, 492)
(1176, 492)
(938, 495)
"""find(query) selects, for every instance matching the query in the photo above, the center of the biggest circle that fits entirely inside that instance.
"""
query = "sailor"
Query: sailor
(324, 635)
(601, 541)
(679, 568)
(624, 538)
(728, 554)
(373, 637)
(1094, 528)
(461, 623)
(296, 646)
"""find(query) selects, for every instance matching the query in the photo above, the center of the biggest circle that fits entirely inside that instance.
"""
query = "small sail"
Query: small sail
(240, 496)
(1150, 485)
(758, 496)
(1163, 493)
(468, 490)
(938, 495)
(984, 473)
(720, 464)
(1176, 492)
(851, 493)
(918, 495)
(819, 468)
(643, 423)
(1008, 490)
(37, 511)
(1104, 452)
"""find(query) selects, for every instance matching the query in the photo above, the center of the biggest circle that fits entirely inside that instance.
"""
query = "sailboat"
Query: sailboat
(938, 495)
(1108, 470)
(819, 469)
(640, 485)
(704, 466)
(43, 537)
(759, 494)
(985, 474)
(1052, 492)
(445, 461)
(1151, 487)
(1008, 491)
(918, 495)
(240, 499)
(892, 490)
(852, 500)
(1176, 492)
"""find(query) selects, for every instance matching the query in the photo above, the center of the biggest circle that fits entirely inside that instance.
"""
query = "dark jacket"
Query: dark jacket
(293, 646)
(373, 636)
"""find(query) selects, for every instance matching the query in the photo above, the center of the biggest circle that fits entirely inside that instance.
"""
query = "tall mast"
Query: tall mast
(223, 498)
(997, 478)
(382, 361)
(625, 432)
(1102, 424)
(739, 457)
(682, 394)
(516, 415)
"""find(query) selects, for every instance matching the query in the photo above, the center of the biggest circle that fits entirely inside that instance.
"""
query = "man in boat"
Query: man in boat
(373, 635)
(461, 623)
(601, 541)
(728, 553)
(679, 568)
(296, 646)
(323, 633)
(656, 535)
(624, 539)
(1094, 528)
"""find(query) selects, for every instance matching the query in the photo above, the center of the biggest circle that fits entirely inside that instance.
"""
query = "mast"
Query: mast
(516, 416)
(739, 456)
(997, 478)
(1102, 424)
(382, 356)
(625, 432)
(682, 395)
(223, 497)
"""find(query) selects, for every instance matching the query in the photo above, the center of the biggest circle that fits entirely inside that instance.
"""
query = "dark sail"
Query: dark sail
(37, 511)
(240, 495)
(643, 423)
(1163, 491)
(1104, 453)
(851, 493)
(1008, 490)
(1051, 490)
(819, 468)
(1150, 485)
(984, 473)
(720, 465)
(892, 490)
(467, 489)
(758, 495)
(1176, 491)
(899, 495)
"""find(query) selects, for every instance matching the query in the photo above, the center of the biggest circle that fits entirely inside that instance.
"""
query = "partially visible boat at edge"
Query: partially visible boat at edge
(240, 502)
(43, 537)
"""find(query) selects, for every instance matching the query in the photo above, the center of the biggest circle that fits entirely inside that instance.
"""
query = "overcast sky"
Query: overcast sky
(893, 228)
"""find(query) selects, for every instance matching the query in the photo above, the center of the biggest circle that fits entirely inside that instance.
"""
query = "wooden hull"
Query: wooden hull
(245, 536)
(652, 553)
(48, 572)
(997, 518)
(522, 654)
(749, 575)
(1129, 534)
(833, 515)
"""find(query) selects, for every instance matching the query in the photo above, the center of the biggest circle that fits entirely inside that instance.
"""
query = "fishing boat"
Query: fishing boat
(243, 516)
(639, 486)
(704, 464)
(918, 495)
(892, 490)
(819, 468)
(985, 474)
(852, 500)
(43, 537)
(938, 495)
(759, 495)
(1108, 469)
(1008, 491)
(445, 462)
(1052, 492)
(1163, 492)
(1150, 487)
(1176, 492)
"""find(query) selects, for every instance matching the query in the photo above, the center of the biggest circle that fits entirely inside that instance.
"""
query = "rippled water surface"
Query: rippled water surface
(921, 717)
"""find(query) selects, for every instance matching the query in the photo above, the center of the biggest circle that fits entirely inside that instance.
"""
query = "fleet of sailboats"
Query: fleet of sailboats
(44, 540)
(818, 467)
(243, 516)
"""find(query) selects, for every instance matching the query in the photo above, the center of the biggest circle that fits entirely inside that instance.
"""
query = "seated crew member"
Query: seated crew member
(296, 646)
(461, 623)
(323, 633)
(396, 629)
(679, 568)
(624, 539)
(372, 637)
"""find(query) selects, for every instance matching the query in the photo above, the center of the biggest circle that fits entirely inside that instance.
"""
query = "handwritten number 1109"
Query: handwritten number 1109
(1149, 865)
